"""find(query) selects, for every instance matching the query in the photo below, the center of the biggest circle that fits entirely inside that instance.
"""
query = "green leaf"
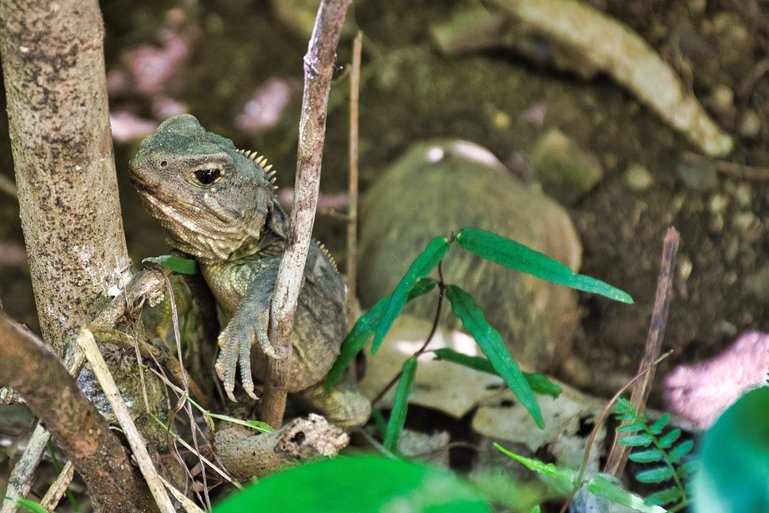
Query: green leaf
(422, 266)
(670, 438)
(666, 496)
(680, 451)
(524, 259)
(565, 476)
(364, 328)
(490, 342)
(655, 475)
(536, 509)
(646, 456)
(356, 485)
(639, 440)
(630, 428)
(400, 405)
(603, 487)
(538, 382)
(29, 505)
(659, 426)
(175, 263)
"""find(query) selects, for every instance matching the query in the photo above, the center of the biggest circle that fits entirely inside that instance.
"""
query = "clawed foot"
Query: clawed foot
(235, 343)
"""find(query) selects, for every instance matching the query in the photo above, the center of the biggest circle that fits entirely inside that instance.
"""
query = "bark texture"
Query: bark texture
(53, 67)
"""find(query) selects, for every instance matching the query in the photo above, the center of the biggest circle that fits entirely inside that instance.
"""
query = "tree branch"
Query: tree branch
(318, 70)
(56, 400)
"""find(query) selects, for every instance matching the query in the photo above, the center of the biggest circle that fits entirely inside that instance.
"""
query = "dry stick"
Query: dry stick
(59, 487)
(135, 440)
(615, 463)
(318, 70)
(67, 414)
(614, 48)
(144, 284)
(352, 208)
(8, 187)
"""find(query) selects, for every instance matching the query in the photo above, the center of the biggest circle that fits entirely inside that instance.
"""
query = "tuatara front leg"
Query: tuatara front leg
(254, 282)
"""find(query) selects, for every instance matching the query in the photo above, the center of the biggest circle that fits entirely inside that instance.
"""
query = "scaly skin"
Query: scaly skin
(218, 204)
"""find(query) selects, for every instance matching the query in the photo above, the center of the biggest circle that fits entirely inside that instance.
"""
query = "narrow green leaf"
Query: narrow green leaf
(623, 406)
(670, 438)
(603, 487)
(538, 382)
(490, 342)
(29, 505)
(680, 451)
(646, 456)
(639, 440)
(563, 475)
(666, 496)
(524, 259)
(422, 266)
(536, 509)
(629, 428)
(655, 475)
(364, 328)
(175, 263)
(400, 405)
(659, 426)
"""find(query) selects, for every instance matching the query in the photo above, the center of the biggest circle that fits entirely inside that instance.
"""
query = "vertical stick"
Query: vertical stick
(615, 463)
(318, 70)
(352, 211)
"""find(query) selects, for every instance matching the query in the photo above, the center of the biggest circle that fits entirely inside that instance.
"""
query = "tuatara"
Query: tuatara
(218, 204)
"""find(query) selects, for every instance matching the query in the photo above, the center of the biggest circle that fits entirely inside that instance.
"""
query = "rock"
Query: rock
(440, 187)
(638, 177)
(700, 176)
(563, 168)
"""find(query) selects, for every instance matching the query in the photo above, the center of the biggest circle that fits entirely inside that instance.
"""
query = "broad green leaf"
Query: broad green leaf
(655, 475)
(680, 451)
(400, 405)
(646, 456)
(565, 476)
(490, 342)
(659, 426)
(665, 496)
(356, 485)
(538, 382)
(364, 328)
(422, 266)
(175, 263)
(601, 486)
(670, 438)
(639, 440)
(524, 259)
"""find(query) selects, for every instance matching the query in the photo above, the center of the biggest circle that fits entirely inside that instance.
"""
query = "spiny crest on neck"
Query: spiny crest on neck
(262, 162)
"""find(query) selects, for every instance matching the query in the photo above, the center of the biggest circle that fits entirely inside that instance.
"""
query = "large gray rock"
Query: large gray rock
(437, 188)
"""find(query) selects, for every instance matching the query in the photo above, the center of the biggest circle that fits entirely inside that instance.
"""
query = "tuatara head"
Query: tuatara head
(216, 202)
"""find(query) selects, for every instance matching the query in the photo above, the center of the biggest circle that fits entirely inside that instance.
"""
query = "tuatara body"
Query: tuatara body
(218, 204)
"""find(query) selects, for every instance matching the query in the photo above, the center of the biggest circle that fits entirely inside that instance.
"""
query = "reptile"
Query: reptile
(218, 204)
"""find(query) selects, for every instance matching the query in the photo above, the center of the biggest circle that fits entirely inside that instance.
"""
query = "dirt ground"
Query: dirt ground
(410, 92)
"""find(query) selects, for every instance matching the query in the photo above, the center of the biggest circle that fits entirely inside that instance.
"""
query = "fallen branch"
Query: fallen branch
(67, 414)
(614, 48)
(318, 70)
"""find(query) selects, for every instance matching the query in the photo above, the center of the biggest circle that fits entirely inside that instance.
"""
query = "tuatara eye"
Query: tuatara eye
(207, 176)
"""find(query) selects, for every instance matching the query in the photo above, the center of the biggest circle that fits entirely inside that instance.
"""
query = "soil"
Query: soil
(411, 92)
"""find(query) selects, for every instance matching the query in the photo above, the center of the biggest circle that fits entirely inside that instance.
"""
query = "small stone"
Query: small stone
(699, 177)
(565, 170)
(722, 98)
(637, 177)
(750, 124)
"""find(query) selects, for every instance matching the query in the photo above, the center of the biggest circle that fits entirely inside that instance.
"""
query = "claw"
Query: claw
(225, 369)
(246, 378)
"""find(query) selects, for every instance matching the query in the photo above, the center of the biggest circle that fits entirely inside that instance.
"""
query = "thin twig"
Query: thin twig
(8, 187)
(615, 463)
(352, 209)
(598, 423)
(59, 487)
(318, 70)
